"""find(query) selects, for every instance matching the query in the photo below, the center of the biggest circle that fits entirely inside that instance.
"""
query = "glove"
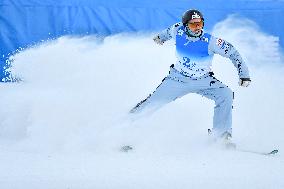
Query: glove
(158, 40)
(244, 82)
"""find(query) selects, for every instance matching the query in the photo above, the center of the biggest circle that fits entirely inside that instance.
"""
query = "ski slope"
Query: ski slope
(63, 125)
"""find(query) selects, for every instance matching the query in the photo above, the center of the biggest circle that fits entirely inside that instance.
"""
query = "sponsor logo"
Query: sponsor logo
(195, 15)
(205, 39)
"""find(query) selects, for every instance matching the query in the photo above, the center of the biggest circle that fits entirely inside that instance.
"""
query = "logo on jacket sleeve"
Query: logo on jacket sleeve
(220, 42)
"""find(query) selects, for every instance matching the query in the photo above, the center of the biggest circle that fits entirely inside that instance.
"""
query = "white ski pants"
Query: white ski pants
(176, 85)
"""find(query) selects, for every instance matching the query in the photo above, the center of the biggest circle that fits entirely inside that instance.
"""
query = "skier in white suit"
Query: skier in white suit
(192, 71)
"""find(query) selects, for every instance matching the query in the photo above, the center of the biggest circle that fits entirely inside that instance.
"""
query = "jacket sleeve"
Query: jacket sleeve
(169, 33)
(225, 49)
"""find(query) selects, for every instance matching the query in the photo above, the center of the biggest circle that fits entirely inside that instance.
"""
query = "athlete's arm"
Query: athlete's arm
(166, 34)
(226, 49)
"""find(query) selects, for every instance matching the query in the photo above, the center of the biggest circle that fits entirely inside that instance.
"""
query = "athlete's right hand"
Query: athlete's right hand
(244, 82)
(158, 40)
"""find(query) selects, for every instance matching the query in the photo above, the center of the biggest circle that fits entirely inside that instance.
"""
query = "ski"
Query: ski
(273, 152)
(232, 146)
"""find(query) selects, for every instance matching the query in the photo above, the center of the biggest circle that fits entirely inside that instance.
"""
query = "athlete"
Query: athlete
(192, 71)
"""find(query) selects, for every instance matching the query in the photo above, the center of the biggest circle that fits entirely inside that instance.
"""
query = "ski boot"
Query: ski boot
(225, 140)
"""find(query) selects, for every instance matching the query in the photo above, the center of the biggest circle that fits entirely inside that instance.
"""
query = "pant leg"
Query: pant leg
(169, 90)
(223, 97)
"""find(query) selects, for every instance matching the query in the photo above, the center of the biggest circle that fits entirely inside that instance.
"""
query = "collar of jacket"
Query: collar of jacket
(191, 36)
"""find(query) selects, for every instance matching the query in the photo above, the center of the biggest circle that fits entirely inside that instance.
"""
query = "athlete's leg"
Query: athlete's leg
(167, 91)
(223, 97)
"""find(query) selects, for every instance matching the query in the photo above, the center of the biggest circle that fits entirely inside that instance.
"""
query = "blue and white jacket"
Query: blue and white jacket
(195, 55)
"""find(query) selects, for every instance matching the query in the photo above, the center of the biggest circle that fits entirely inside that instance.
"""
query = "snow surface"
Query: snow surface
(62, 127)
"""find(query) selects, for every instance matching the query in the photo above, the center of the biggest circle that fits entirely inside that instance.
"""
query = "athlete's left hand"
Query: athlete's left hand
(158, 40)
(244, 82)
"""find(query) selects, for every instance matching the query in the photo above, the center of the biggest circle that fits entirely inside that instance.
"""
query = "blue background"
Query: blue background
(27, 22)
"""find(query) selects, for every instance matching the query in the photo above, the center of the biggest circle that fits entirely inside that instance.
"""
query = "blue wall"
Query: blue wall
(27, 22)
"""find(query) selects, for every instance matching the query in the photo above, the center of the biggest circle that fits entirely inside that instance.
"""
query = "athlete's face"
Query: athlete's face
(195, 25)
